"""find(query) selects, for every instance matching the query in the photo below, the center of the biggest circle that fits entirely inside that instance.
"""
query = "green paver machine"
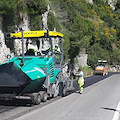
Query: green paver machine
(35, 77)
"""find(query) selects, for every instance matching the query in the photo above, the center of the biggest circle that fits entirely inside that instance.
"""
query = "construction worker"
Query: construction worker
(56, 51)
(80, 80)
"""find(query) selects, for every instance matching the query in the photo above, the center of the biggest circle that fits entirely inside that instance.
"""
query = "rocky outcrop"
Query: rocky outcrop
(115, 68)
(90, 1)
(81, 60)
(44, 44)
(3, 48)
(110, 2)
(24, 24)
(44, 19)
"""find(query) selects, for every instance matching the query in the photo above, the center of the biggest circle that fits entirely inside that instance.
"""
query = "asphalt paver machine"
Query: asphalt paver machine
(34, 77)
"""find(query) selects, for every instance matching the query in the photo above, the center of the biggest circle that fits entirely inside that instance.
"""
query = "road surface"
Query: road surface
(99, 101)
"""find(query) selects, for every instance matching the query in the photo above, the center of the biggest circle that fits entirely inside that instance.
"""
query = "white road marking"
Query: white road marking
(116, 114)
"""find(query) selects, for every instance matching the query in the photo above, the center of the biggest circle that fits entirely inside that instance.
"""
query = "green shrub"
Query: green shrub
(53, 22)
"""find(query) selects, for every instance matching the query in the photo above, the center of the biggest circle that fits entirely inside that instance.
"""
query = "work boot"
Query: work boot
(81, 90)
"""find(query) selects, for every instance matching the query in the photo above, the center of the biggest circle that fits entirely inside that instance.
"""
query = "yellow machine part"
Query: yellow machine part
(52, 33)
(30, 34)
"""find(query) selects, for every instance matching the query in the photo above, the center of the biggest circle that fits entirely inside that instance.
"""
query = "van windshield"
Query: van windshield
(102, 64)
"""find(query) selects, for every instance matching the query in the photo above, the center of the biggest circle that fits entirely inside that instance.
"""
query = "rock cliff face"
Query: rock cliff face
(110, 2)
(24, 24)
(3, 48)
(28, 43)
(90, 1)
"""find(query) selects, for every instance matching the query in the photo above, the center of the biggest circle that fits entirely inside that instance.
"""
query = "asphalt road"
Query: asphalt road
(98, 102)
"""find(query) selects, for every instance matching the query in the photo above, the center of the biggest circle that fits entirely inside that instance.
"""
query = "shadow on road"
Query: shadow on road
(109, 109)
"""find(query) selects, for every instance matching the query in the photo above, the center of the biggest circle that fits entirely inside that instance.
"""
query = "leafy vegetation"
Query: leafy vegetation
(94, 27)
(53, 22)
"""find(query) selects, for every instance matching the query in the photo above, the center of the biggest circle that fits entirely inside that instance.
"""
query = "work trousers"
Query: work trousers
(80, 83)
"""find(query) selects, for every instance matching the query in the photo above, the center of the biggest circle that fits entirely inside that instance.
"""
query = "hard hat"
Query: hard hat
(56, 45)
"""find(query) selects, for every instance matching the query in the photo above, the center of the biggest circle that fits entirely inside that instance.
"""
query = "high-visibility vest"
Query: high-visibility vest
(56, 50)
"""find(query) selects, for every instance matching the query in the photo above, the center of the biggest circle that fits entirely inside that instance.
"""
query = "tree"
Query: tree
(96, 52)
(7, 7)
(115, 56)
(53, 22)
